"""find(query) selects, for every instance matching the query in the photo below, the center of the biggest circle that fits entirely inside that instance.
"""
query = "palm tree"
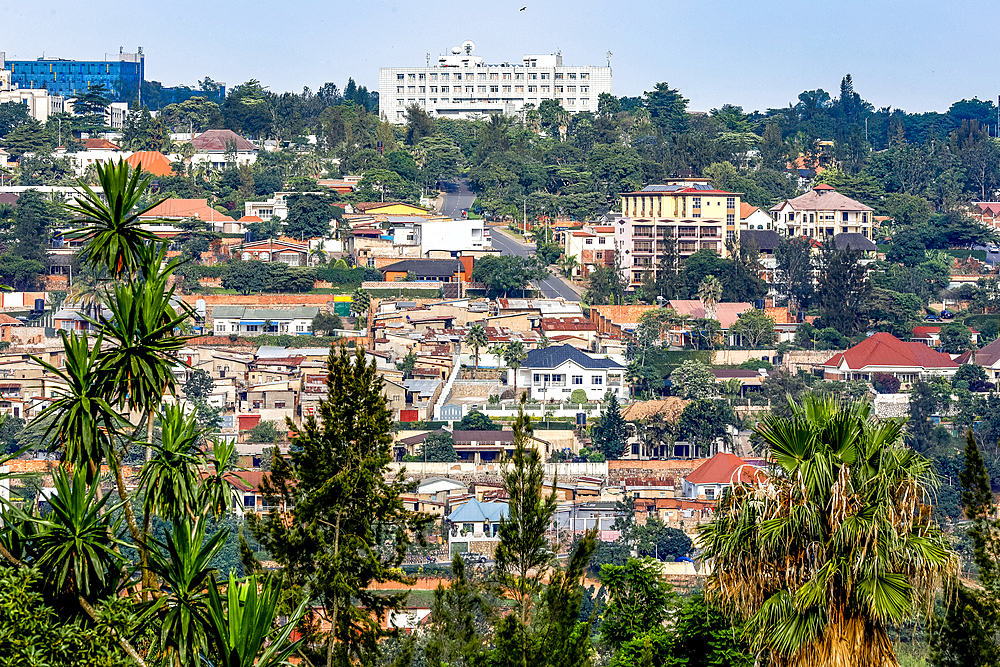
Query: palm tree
(837, 545)
(170, 479)
(111, 225)
(476, 339)
(568, 264)
(513, 354)
(709, 293)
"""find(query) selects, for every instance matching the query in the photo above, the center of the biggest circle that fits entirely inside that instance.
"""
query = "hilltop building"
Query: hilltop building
(122, 77)
(822, 213)
(461, 85)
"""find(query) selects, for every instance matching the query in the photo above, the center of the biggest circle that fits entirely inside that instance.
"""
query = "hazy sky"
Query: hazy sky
(915, 55)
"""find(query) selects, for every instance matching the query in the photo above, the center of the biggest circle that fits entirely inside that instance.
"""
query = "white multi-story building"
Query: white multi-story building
(461, 85)
(39, 102)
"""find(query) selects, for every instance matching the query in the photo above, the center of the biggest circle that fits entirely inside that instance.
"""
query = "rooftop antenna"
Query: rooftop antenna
(608, 56)
(428, 56)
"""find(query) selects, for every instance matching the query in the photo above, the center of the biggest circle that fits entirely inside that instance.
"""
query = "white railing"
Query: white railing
(456, 372)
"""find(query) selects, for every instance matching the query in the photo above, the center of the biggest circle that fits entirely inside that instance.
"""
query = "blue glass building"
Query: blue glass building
(122, 77)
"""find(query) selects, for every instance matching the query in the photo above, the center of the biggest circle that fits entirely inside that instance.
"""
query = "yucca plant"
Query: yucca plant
(81, 419)
(75, 545)
(111, 224)
(170, 479)
(244, 630)
(836, 546)
(216, 494)
(182, 563)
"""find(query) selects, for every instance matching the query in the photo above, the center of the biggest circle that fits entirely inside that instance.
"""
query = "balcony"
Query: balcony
(711, 233)
(687, 247)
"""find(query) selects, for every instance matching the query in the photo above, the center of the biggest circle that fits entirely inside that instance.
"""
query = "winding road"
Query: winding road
(457, 195)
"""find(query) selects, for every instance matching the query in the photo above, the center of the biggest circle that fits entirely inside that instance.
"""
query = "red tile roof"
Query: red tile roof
(726, 469)
(920, 332)
(100, 144)
(885, 350)
(746, 210)
(567, 324)
(185, 208)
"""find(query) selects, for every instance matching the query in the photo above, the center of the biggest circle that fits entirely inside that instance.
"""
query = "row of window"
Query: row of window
(492, 89)
(569, 102)
(844, 216)
(491, 76)
(253, 328)
(557, 379)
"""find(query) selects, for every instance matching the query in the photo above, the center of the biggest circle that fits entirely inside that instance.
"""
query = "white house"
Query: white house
(255, 321)
(475, 527)
(557, 371)
(211, 145)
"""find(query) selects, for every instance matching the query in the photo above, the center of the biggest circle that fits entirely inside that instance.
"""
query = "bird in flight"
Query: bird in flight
(522, 9)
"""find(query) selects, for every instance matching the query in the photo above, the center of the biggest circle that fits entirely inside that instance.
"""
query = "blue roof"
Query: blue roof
(553, 356)
(474, 511)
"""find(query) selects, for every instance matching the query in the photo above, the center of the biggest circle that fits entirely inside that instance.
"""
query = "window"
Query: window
(494, 76)
(570, 89)
(220, 327)
(532, 89)
(596, 380)
(545, 75)
(599, 254)
(279, 405)
(533, 76)
(696, 202)
(572, 75)
(421, 77)
(518, 89)
(494, 89)
(585, 102)
(300, 328)
(588, 242)
(584, 89)
(400, 77)
(577, 379)
(584, 75)
(506, 89)
(559, 75)
(444, 77)
(482, 89)
(412, 77)
(434, 77)
(251, 328)
(545, 89)
(506, 76)
(482, 76)
(843, 230)
(730, 235)
(399, 89)
(731, 218)
(458, 76)
(538, 378)
(864, 217)
(519, 76)
(423, 89)
(399, 103)
(444, 89)
(434, 89)
(731, 202)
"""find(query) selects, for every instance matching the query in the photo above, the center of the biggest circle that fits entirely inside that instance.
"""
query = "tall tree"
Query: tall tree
(348, 525)
(848, 508)
(477, 339)
(710, 293)
(794, 271)
(610, 434)
(842, 289)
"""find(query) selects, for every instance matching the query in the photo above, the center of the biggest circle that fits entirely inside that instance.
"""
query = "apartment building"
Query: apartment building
(690, 211)
(461, 85)
(822, 213)
(593, 246)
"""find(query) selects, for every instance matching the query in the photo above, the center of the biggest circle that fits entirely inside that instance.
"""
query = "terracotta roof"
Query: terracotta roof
(921, 332)
(746, 210)
(7, 319)
(154, 162)
(250, 218)
(186, 208)
(216, 140)
(622, 314)
(991, 207)
(885, 350)
(822, 200)
(604, 230)
(726, 469)
(98, 144)
(824, 186)
(726, 312)
(583, 234)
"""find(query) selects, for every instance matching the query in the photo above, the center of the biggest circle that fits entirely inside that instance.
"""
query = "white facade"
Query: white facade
(38, 100)
(453, 235)
(556, 372)
(463, 86)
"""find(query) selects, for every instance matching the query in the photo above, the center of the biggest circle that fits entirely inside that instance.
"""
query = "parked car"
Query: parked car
(473, 557)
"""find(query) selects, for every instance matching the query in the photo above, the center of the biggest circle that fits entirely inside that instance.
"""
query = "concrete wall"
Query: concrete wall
(474, 388)
(806, 359)
(737, 357)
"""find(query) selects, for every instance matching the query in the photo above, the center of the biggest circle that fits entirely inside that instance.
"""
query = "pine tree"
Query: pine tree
(454, 639)
(966, 634)
(611, 433)
(348, 526)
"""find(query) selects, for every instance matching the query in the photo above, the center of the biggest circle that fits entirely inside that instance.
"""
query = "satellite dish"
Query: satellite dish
(468, 46)
(456, 50)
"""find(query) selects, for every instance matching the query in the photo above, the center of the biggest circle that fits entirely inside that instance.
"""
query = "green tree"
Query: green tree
(199, 386)
(454, 638)
(309, 216)
(476, 421)
(639, 600)
(477, 339)
(26, 138)
(703, 423)
(266, 431)
(12, 116)
(955, 338)
(755, 329)
(829, 455)
(419, 125)
(693, 380)
(246, 277)
(507, 273)
(843, 288)
(513, 355)
(710, 293)
(610, 434)
(31, 225)
(348, 526)
(326, 324)
(656, 540)
(439, 447)
(966, 634)
(794, 271)
(667, 109)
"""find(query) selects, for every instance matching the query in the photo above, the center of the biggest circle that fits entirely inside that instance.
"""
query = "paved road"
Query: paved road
(457, 196)
(552, 287)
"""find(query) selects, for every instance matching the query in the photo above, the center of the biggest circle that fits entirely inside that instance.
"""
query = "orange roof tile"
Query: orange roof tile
(726, 469)
(98, 143)
(154, 162)
(186, 208)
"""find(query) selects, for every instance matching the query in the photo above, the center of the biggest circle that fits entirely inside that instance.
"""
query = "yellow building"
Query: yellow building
(690, 211)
